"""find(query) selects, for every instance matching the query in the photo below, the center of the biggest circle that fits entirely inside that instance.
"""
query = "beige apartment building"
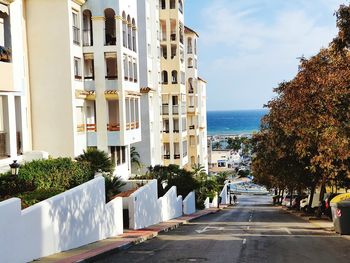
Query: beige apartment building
(84, 77)
(174, 113)
(196, 104)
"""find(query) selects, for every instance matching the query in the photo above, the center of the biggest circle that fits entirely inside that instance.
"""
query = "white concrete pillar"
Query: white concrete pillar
(12, 126)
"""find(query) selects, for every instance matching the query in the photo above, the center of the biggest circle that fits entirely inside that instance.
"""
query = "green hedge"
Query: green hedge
(61, 173)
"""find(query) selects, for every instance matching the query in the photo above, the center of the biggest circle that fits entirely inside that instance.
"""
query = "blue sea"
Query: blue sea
(234, 122)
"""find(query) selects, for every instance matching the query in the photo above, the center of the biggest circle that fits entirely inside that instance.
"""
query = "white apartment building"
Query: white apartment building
(196, 104)
(173, 78)
(149, 56)
(14, 93)
(84, 77)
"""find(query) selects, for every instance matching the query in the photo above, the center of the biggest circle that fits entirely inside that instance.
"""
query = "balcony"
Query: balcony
(175, 109)
(165, 109)
(191, 127)
(177, 156)
(166, 156)
(89, 83)
(173, 37)
(91, 128)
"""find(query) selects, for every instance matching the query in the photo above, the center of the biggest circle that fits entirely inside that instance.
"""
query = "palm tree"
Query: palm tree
(199, 171)
(216, 145)
(98, 160)
(135, 157)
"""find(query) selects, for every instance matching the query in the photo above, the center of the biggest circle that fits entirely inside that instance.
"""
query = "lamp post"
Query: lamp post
(14, 168)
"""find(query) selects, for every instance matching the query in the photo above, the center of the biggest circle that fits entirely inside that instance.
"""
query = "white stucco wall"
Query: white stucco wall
(74, 218)
(189, 204)
(225, 196)
(171, 204)
(146, 209)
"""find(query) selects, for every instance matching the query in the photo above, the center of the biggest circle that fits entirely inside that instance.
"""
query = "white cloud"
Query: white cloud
(255, 44)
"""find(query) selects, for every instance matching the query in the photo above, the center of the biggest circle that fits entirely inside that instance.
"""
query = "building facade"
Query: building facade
(173, 77)
(149, 148)
(91, 96)
(196, 104)
(15, 125)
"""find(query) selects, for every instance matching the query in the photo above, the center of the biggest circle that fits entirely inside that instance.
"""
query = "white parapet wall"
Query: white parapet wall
(146, 209)
(171, 204)
(225, 195)
(69, 220)
(189, 204)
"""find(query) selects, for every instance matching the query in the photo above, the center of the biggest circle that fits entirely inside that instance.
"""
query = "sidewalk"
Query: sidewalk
(129, 238)
(322, 222)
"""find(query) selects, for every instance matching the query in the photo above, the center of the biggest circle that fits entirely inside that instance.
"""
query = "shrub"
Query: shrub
(60, 173)
(36, 196)
(113, 186)
(98, 160)
(11, 185)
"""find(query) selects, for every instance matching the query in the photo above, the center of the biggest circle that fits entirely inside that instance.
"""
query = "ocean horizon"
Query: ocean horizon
(234, 122)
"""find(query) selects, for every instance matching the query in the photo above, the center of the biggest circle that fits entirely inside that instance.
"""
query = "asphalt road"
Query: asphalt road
(252, 231)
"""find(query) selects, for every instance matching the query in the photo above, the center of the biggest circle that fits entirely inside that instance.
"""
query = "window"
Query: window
(118, 155)
(111, 66)
(77, 68)
(125, 26)
(174, 77)
(173, 51)
(172, 4)
(88, 67)
(190, 63)
(126, 71)
(184, 147)
(162, 4)
(110, 27)
(131, 71)
(87, 29)
(135, 72)
(133, 35)
(176, 126)
(166, 125)
(181, 7)
(164, 51)
(129, 33)
(164, 77)
(76, 28)
(189, 45)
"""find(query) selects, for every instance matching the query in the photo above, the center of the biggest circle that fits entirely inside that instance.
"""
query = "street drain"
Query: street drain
(192, 260)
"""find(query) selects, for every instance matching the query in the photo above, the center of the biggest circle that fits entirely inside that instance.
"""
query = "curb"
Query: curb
(99, 253)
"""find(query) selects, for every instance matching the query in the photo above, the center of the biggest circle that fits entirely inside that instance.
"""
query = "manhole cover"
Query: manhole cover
(192, 260)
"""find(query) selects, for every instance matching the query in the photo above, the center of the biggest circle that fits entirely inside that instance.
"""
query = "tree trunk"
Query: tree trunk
(322, 191)
(291, 197)
(309, 207)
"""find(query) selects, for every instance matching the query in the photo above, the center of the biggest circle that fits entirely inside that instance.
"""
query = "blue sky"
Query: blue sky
(247, 47)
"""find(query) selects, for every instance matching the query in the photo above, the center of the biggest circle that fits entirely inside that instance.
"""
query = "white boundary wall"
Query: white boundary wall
(146, 209)
(225, 196)
(189, 204)
(72, 219)
(171, 204)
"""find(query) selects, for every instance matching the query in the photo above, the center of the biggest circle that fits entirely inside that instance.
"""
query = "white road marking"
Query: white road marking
(288, 231)
(248, 227)
(244, 241)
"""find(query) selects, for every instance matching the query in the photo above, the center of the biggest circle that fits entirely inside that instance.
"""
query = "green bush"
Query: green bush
(98, 160)
(61, 173)
(36, 196)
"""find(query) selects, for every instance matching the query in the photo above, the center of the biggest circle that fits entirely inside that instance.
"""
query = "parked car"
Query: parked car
(326, 207)
(297, 199)
(305, 202)
(286, 200)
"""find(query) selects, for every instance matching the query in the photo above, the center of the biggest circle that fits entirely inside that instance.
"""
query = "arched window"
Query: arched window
(181, 8)
(189, 45)
(190, 63)
(190, 85)
(162, 4)
(174, 77)
(125, 28)
(164, 77)
(87, 28)
(133, 35)
(110, 28)
(129, 33)
(172, 4)
(195, 46)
